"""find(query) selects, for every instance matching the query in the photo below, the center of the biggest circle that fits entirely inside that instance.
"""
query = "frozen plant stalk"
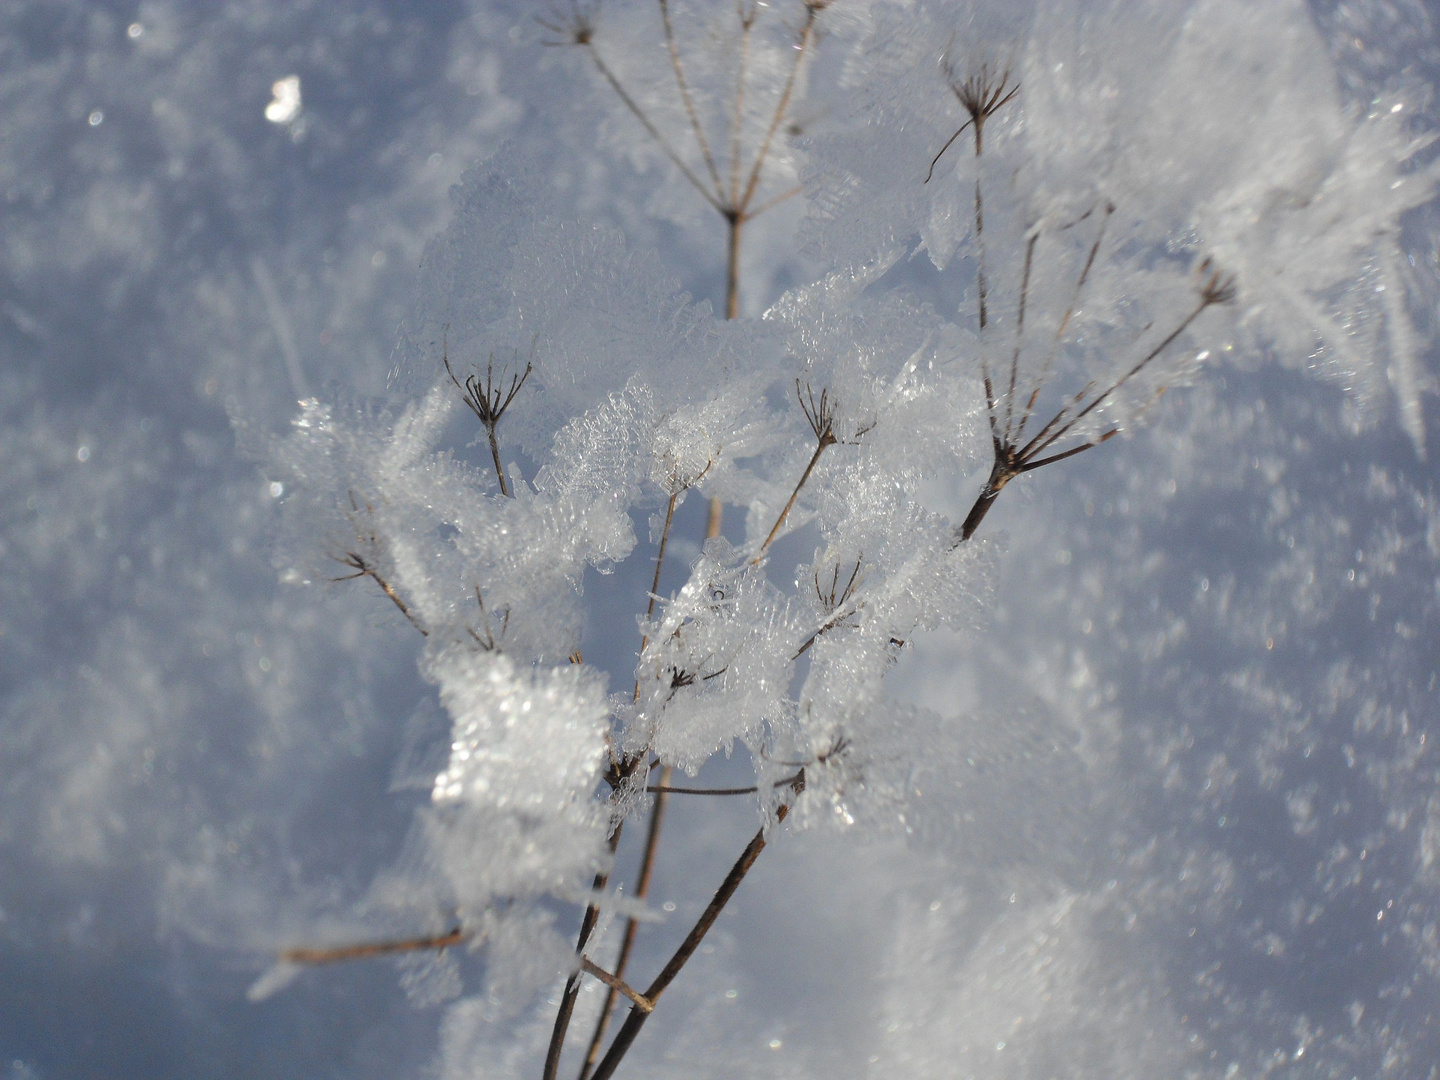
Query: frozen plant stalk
(1117, 236)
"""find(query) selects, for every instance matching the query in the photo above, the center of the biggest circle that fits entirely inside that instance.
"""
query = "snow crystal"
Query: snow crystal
(524, 740)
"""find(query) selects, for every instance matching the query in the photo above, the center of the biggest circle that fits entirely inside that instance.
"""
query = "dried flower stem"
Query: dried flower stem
(695, 124)
(1011, 461)
(625, 1037)
(489, 399)
(617, 985)
(632, 926)
(337, 954)
(364, 568)
(733, 200)
(751, 790)
(572, 984)
(821, 417)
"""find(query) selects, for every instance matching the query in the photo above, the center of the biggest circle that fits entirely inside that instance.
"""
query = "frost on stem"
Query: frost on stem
(718, 116)
(488, 398)
(1094, 257)
(1208, 142)
(1007, 422)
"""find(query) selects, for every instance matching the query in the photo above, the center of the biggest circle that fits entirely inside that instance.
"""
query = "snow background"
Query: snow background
(1231, 618)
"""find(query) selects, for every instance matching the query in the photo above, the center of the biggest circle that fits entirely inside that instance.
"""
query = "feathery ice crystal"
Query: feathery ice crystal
(1132, 192)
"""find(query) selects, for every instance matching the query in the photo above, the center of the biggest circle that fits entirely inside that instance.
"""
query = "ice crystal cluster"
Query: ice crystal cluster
(1067, 640)
(1165, 189)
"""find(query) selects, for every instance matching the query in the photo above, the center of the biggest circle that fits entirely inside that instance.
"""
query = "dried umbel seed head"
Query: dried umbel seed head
(983, 91)
(572, 26)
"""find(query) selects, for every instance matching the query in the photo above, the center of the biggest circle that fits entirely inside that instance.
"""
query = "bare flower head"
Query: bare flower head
(488, 396)
(982, 88)
(572, 25)
(1216, 287)
(820, 414)
(832, 595)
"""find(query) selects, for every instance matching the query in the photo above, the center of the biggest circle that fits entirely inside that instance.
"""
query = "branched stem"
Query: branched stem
(488, 399)
(572, 984)
(636, 1018)
(807, 35)
(820, 414)
(695, 124)
(1011, 460)
(364, 568)
(337, 954)
(642, 890)
(820, 448)
(731, 196)
(650, 128)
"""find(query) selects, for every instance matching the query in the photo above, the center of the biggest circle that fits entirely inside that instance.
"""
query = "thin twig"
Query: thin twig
(751, 790)
(821, 417)
(642, 890)
(363, 568)
(625, 1037)
(339, 953)
(616, 983)
(806, 34)
(695, 124)
(654, 132)
(1019, 333)
(655, 583)
(779, 521)
(1011, 461)
(768, 204)
(737, 121)
(572, 984)
(960, 131)
(1070, 309)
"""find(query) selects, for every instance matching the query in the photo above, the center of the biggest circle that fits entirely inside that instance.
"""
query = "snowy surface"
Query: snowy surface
(1152, 786)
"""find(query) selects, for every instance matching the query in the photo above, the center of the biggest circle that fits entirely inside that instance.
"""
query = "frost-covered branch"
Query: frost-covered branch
(1105, 247)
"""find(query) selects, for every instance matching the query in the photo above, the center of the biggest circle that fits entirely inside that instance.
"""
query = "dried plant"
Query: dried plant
(488, 398)
(730, 173)
(730, 657)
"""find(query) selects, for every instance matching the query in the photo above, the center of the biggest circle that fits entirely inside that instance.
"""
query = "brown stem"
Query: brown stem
(625, 1037)
(649, 126)
(685, 95)
(632, 926)
(980, 284)
(732, 265)
(303, 955)
(768, 204)
(660, 561)
(655, 583)
(653, 836)
(806, 35)
(572, 984)
(614, 982)
(986, 499)
(826, 440)
(1019, 334)
(364, 569)
(1054, 348)
(751, 790)
(495, 453)
(810, 641)
(389, 591)
(1048, 438)
(738, 120)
